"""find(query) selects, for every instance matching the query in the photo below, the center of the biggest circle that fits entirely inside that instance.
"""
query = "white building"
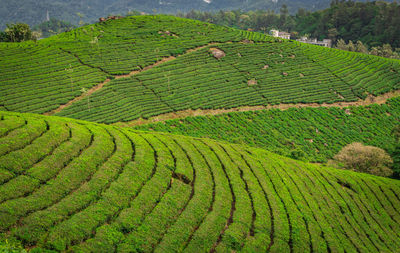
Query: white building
(323, 43)
(278, 34)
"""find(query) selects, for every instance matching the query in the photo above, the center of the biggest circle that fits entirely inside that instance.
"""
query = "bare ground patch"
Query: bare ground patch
(190, 113)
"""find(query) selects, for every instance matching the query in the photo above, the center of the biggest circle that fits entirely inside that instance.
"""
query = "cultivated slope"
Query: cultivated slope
(82, 186)
(165, 64)
(314, 134)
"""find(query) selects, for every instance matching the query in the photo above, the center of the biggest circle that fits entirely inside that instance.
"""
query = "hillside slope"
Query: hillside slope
(82, 186)
(149, 65)
(313, 134)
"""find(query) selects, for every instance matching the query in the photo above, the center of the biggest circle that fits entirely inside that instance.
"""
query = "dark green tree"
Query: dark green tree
(396, 161)
(3, 36)
(18, 32)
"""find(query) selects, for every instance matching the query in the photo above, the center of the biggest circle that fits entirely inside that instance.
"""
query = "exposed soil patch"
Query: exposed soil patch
(217, 53)
(167, 33)
(146, 68)
(246, 41)
(252, 82)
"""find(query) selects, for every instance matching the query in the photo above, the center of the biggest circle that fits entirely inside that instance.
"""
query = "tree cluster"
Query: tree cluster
(384, 51)
(18, 33)
(52, 27)
(373, 23)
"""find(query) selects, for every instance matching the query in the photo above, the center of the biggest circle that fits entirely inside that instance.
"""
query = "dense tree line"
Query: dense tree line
(373, 23)
(18, 32)
(53, 26)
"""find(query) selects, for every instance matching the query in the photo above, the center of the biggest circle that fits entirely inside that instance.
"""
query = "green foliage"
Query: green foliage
(326, 76)
(366, 159)
(396, 161)
(313, 134)
(373, 23)
(4, 37)
(122, 190)
(52, 27)
(34, 13)
(10, 244)
(383, 51)
(17, 33)
(256, 70)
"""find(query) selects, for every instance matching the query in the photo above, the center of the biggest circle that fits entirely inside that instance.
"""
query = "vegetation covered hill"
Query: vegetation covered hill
(313, 134)
(34, 11)
(150, 65)
(80, 186)
(374, 23)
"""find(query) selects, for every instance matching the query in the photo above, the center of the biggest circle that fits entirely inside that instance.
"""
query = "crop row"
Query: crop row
(256, 70)
(126, 191)
(249, 74)
(42, 80)
(313, 134)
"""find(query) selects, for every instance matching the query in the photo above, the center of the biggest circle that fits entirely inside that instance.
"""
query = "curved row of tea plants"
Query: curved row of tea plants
(80, 186)
(35, 78)
(250, 74)
(313, 134)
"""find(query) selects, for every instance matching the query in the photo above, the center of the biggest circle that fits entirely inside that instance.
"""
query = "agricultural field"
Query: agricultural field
(151, 65)
(249, 75)
(38, 77)
(79, 186)
(312, 134)
(196, 184)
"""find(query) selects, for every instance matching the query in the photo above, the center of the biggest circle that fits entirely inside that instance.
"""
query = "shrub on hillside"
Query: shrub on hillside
(367, 159)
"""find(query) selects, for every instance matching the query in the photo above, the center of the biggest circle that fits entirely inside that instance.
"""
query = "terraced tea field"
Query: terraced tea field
(80, 186)
(249, 75)
(49, 73)
(139, 67)
(313, 134)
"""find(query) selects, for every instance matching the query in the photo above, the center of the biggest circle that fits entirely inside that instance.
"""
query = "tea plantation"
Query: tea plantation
(249, 74)
(80, 186)
(254, 69)
(313, 134)
(68, 185)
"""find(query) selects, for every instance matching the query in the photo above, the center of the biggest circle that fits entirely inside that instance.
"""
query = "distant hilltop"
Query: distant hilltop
(35, 12)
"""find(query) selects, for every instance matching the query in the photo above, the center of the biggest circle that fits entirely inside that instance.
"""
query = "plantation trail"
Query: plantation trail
(101, 85)
(87, 93)
(382, 99)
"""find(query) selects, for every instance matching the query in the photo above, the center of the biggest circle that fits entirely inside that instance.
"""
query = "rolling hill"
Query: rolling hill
(143, 66)
(80, 186)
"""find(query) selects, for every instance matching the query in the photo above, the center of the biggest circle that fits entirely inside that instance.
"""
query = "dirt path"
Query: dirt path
(100, 85)
(187, 113)
(87, 93)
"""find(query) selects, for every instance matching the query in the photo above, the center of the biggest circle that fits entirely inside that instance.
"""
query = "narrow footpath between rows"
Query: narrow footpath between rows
(382, 99)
